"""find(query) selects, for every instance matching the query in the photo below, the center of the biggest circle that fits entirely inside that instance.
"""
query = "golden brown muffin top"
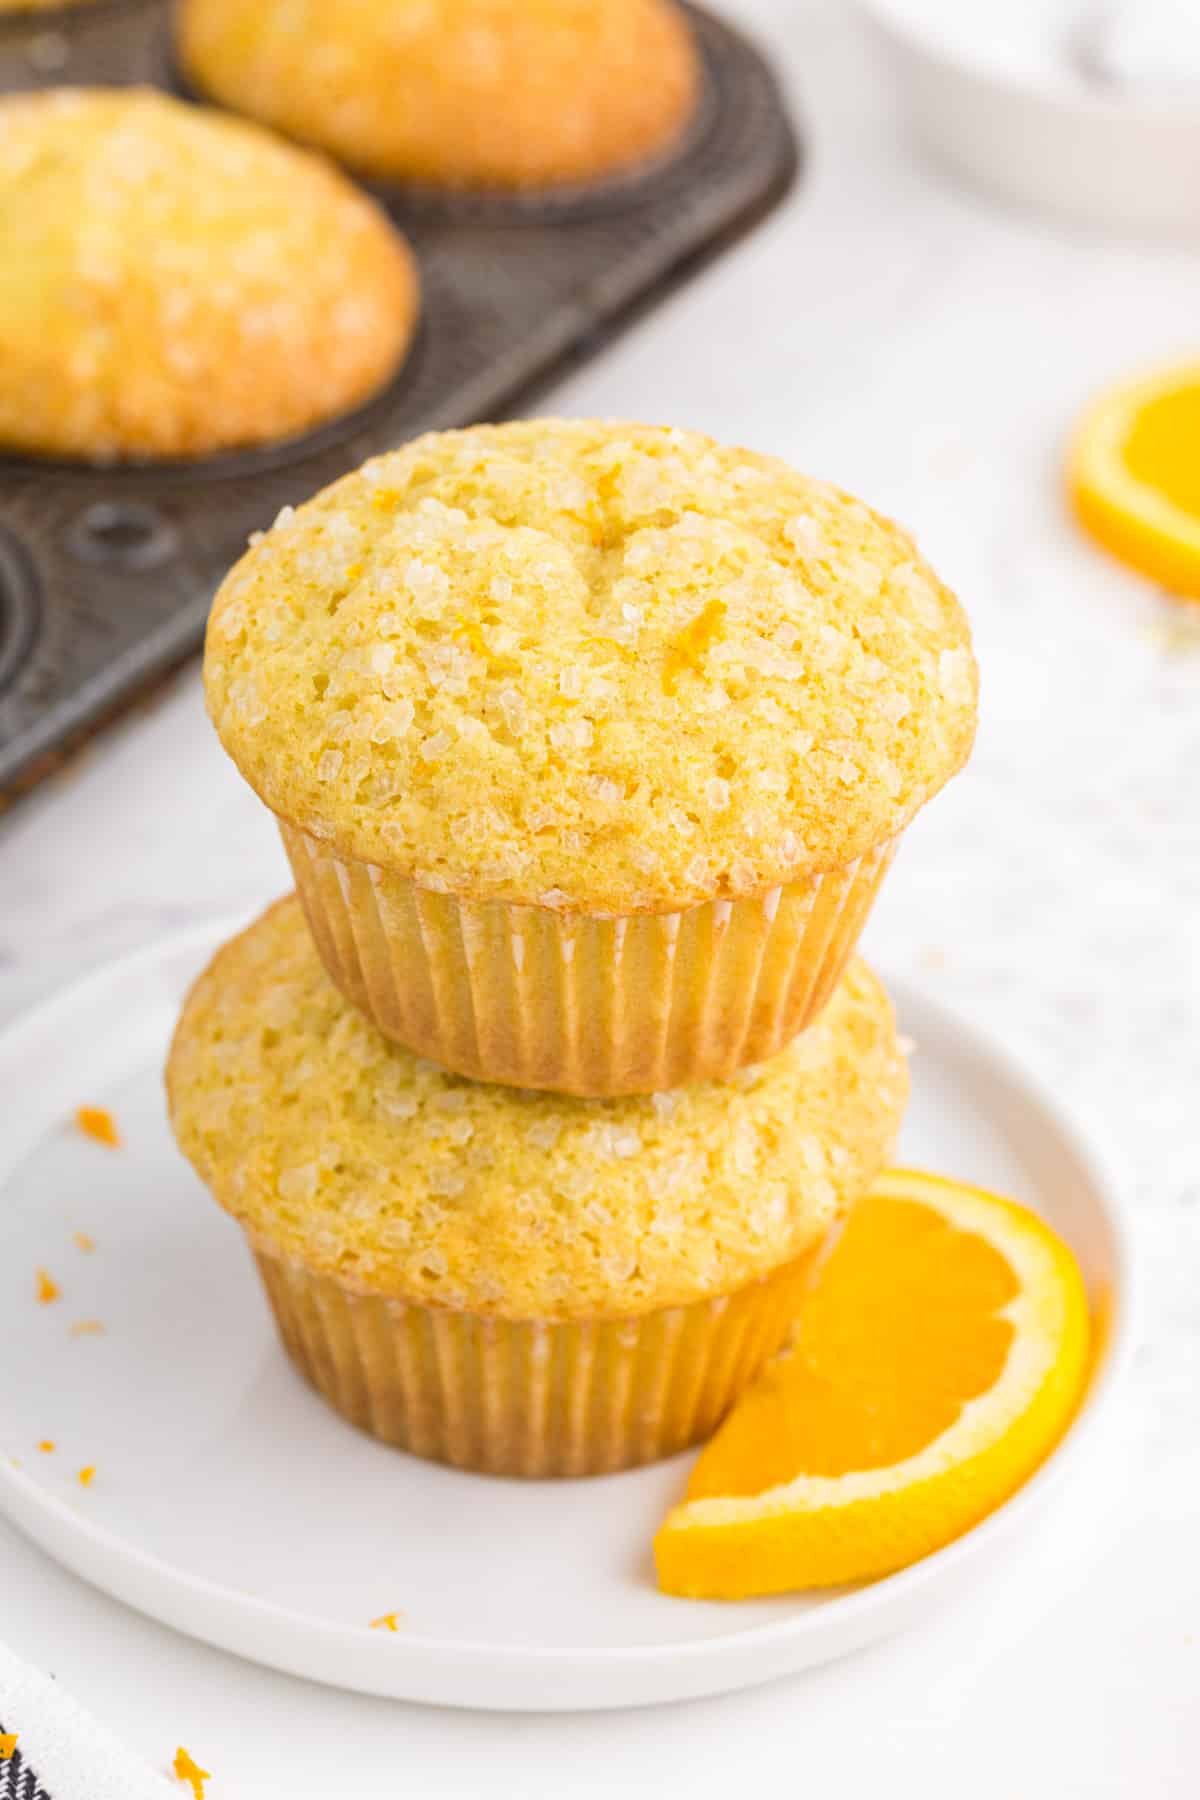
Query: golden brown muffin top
(176, 282)
(454, 93)
(590, 665)
(343, 1151)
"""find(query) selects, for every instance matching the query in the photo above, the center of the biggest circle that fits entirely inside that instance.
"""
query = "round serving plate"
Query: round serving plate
(230, 1503)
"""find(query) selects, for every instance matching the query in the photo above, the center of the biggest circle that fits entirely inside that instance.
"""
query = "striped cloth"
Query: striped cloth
(62, 1752)
(18, 1781)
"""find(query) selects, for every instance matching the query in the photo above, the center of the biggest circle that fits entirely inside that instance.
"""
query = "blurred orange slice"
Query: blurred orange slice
(936, 1362)
(1133, 473)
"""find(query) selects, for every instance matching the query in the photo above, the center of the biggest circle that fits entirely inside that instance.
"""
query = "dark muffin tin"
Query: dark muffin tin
(106, 574)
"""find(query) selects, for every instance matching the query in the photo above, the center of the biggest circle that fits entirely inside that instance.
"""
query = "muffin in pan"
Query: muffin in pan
(179, 283)
(590, 742)
(458, 95)
(517, 1282)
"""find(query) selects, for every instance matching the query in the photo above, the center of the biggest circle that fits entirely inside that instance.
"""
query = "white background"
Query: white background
(896, 334)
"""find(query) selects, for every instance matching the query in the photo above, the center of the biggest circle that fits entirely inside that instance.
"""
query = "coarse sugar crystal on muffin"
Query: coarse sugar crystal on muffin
(456, 94)
(410, 1207)
(608, 686)
(179, 282)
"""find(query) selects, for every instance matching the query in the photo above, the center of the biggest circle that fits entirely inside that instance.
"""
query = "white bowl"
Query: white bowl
(989, 87)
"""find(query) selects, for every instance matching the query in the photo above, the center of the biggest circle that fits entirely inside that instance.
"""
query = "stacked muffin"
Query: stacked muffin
(589, 745)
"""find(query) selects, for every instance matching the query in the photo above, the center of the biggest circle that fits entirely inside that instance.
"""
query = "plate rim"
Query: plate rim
(86, 1547)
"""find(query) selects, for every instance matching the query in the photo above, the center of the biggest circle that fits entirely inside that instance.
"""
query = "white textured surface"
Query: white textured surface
(891, 332)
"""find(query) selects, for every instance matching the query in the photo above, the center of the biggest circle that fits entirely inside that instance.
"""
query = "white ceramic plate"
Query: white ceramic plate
(229, 1502)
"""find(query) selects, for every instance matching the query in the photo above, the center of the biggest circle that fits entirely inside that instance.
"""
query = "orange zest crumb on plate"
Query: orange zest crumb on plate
(185, 1768)
(87, 1475)
(47, 1288)
(87, 1328)
(83, 1241)
(98, 1123)
(387, 1622)
(47, 1445)
(8, 1743)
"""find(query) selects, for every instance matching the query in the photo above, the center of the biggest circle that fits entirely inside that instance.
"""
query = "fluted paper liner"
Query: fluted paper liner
(529, 1397)
(582, 1003)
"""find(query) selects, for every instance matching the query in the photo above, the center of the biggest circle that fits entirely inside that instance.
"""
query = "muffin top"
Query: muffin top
(590, 665)
(176, 282)
(454, 93)
(339, 1149)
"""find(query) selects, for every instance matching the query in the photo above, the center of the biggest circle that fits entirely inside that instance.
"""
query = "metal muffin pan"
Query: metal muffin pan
(106, 573)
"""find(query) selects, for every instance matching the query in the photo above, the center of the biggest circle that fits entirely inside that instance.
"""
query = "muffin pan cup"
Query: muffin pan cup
(107, 573)
(529, 1397)
(583, 1004)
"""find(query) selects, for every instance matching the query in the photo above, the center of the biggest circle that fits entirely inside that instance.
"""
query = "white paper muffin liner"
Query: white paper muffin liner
(581, 1003)
(528, 1397)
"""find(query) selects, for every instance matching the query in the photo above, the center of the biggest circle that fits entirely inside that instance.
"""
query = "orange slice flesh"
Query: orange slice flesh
(1133, 474)
(935, 1363)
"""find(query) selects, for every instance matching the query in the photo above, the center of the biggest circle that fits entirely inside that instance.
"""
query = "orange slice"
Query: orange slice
(1133, 473)
(935, 1363)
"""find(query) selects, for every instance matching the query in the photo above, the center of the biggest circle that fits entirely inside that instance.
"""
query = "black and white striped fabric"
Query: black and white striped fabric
(18, 1779)
(63, 1752)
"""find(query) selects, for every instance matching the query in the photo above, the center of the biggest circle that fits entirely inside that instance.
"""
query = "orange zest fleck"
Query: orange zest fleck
(47, 1288)
(8, 1743)
(98, 1123)
(687, 649)
(83, 1241)
(387, 1622)
(87, 1328)
(87, 1475)
(47, 1445)
(473, 637)
(185, 1768)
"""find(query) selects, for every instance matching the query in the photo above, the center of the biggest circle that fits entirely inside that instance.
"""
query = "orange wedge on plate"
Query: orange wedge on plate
(935, 1363)
(1133, 473)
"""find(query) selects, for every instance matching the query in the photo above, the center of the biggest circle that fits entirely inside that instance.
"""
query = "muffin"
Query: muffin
(523, 1283)
(455, 94)
(179, 283)
(590, 742)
